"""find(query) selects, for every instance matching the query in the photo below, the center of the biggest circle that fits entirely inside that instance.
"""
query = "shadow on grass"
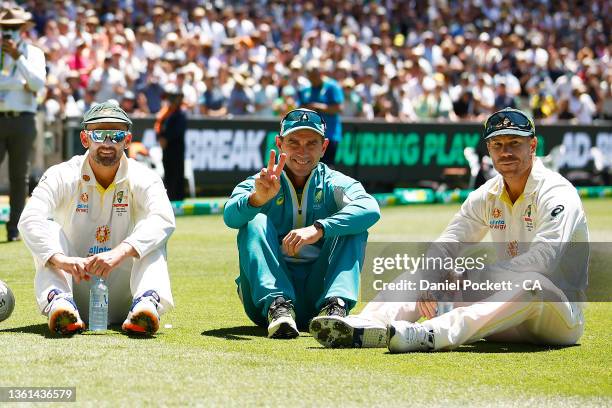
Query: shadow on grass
(483, 347)
(495, 347)
(41, 329)
(236, 333)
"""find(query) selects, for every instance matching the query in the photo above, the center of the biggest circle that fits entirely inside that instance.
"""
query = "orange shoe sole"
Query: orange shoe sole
(143, 323)
(65, 322)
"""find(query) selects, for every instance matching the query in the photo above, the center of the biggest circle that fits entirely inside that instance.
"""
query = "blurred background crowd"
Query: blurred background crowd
(400, 60)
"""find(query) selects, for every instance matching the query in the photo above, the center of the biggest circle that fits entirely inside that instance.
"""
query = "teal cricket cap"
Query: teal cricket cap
(302, 118)
(106, 112)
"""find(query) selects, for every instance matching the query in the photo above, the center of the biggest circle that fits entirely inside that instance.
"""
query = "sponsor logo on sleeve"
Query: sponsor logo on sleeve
(557, 210)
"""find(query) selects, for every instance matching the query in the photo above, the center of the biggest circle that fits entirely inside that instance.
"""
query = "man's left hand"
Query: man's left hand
(9, 47)
(103, 264)
(297, 238)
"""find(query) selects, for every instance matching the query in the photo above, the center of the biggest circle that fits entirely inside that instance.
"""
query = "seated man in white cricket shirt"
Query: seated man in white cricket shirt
(530, 211)
(100, 214)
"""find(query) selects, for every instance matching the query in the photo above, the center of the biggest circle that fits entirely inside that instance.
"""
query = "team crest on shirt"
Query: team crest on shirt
(497, 222)
(512, 249)
(120, 202)
(280, 200)
(318, 200)
(527, 218)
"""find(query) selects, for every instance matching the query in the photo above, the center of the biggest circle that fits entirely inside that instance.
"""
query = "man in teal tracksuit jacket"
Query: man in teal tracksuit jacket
(302, 232)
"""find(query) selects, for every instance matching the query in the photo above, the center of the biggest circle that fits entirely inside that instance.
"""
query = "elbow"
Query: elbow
(230, 221)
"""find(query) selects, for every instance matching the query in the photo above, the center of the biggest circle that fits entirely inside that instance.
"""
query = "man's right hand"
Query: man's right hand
(267, 182)
(70, 264)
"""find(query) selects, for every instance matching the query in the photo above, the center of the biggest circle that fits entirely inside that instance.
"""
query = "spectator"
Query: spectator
(324, 96)
(241, 98)
(22, 75)
(107, 81)
(170, 128)
(503, 100)
(212, 102)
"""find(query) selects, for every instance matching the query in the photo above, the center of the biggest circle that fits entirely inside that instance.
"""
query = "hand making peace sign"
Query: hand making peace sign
(267, 182)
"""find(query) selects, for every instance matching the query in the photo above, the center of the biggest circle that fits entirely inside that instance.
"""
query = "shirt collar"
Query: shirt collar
(538, 173)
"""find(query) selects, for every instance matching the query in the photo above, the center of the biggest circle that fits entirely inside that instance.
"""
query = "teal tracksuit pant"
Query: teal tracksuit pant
(265, 275)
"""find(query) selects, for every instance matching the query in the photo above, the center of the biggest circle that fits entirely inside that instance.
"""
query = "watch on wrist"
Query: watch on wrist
(317, 224)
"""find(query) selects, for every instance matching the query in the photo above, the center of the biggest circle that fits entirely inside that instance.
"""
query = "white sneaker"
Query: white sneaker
(281, 320)
(143, 317)
(403, 337)
(63, 314)
(346, 332)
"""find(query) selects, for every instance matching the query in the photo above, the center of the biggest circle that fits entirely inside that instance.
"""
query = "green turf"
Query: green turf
(213, 355)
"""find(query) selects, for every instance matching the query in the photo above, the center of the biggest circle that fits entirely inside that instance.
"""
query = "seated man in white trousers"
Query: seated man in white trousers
(530, 211)
(100, 214)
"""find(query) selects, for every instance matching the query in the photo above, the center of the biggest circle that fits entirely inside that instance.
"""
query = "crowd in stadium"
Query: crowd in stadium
(396, 59)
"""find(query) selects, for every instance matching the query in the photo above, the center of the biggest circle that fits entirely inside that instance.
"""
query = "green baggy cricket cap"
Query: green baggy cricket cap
(106, 112)
(302, 118)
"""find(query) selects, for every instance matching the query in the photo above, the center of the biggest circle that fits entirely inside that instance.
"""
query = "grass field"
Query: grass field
(213, 355)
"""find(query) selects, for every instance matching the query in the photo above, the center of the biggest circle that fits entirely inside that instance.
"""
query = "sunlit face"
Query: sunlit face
(304, 148)
(512, 155)
(107, 153)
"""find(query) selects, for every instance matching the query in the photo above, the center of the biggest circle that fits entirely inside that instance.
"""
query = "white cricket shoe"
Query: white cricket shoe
(347, 332)
(143, 317)
(281, 320)
(63, 314)
(403, 337)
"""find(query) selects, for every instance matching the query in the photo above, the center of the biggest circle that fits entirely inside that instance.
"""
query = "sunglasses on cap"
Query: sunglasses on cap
(302, 119)
(99, 136)
(509, 122)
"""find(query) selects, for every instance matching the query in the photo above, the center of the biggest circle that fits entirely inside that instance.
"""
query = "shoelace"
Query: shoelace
(335, 309)
(282, 308)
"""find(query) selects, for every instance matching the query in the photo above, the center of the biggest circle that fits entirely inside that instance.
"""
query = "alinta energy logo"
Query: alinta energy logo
(496, 222)
(82, 206)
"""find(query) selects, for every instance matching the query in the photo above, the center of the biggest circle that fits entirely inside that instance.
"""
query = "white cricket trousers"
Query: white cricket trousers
(128, 281)
(517, 316)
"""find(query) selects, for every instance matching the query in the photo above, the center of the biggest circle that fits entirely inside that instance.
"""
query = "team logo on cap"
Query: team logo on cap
(102, 234)
(304, 117)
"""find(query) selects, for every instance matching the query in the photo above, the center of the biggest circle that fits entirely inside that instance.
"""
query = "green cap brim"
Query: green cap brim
(301, 127)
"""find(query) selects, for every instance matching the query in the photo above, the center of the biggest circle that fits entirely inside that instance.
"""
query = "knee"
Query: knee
(257, 227)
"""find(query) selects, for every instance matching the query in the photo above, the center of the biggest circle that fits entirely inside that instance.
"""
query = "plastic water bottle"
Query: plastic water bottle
(98, 305)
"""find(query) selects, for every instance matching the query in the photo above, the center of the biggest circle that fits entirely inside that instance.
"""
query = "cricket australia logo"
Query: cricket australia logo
(527, 218)
(103, 234)
(280, 200)
(120, 202)
(318, 199)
